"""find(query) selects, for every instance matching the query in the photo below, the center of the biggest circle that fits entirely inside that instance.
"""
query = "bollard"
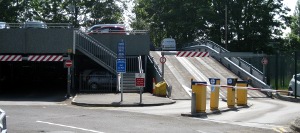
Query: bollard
(231, 92)
(214, 95)
(199, 88)
(193, 103)
(241, 94)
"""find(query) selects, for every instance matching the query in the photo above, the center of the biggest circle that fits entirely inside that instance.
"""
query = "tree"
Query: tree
(293, 42)
(9, 10)
(171, 18)
(77, 12)
(252, 24)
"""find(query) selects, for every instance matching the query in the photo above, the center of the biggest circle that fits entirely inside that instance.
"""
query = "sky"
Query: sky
(291, 4)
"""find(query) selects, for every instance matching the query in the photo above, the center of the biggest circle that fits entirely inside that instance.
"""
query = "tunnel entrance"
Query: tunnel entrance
(32, 79)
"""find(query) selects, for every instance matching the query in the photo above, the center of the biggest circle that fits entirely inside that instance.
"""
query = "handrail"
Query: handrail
(95, 50)
(158, 70)
(235, 64)
(49, 25)
(220, 49)
(140, 64)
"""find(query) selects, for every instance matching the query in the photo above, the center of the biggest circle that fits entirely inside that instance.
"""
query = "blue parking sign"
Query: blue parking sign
(121, 65)
(121, 50)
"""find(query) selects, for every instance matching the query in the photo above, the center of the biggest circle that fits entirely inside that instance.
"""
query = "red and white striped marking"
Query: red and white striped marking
(10, 57)
(192, 54)
(45, 58)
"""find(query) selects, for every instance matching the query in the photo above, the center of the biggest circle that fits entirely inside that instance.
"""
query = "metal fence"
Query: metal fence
(97, 83)
(279, 70)
(3, 127)
(48, 25)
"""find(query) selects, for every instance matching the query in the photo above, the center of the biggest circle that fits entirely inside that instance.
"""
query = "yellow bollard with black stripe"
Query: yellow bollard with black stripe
(241, 93)
(214, 95)
(199, 88)
(231, 92)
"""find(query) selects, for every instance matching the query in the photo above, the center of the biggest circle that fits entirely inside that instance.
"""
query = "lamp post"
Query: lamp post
(226, 27)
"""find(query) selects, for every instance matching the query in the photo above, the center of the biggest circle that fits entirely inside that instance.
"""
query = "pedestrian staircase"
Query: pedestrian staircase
(96, 51)
(107, 59)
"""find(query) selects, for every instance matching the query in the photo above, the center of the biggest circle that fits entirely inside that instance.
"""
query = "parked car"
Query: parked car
(106, 28)
(292, 85)
(98, 79)
(34, 24)
(4, 25)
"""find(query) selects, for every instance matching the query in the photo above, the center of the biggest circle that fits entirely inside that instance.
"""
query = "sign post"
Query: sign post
(162, 61)
(121, 63)
(68, 64)
(264, 61)
(140, 82)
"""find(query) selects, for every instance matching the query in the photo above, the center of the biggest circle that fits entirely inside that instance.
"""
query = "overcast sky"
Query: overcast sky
(291, 4)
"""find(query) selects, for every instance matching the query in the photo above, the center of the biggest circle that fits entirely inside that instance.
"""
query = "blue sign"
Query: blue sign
(121, 66)
(212, 82)
(121, 50)
(229, 81)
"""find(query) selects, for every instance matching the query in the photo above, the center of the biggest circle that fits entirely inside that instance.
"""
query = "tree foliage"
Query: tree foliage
(9, 10)
(252, 24)
(293, 39)
(78, 12)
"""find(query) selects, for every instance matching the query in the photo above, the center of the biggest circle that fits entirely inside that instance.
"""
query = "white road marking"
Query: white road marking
(178, 76)
(192, 69)
(83, 129)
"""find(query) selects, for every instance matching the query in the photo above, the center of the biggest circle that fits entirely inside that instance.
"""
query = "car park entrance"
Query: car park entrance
(33, 78)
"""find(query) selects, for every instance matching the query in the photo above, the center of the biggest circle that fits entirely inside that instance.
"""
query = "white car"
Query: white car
(3, 128)
(292, 85)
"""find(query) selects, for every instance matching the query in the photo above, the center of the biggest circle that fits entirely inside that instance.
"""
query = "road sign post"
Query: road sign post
(68, 64)
(140, 82)
(264, 61)
(163, 61)
(121, 63)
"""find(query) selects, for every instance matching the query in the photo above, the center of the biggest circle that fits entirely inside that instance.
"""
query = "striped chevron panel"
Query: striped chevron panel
(45, 58)
(10, 57)
(192, 54)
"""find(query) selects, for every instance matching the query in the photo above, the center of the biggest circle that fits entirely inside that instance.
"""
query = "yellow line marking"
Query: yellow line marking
(283, 130)
(277, 130)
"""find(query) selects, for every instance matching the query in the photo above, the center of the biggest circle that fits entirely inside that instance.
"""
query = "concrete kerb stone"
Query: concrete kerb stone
(295, 125)
(120, 104)
(287, 98)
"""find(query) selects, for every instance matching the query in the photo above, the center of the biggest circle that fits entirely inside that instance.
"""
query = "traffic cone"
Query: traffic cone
(153, 88)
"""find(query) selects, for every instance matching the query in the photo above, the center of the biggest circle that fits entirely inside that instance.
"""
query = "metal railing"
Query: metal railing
(48, 25)
(237, 65)
(140, 64)
(3, 127)
(97, 83)
(134, 65)
(158, 71)
(95, 50)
